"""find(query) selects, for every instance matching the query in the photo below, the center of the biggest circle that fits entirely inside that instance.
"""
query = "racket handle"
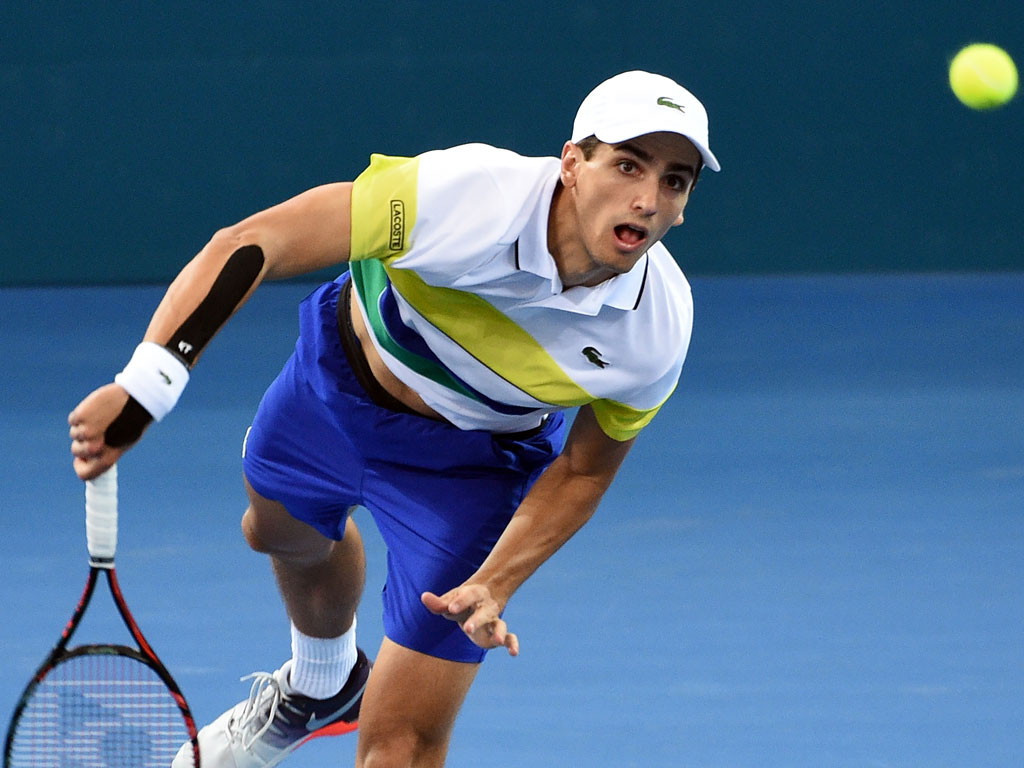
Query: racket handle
(101, 518)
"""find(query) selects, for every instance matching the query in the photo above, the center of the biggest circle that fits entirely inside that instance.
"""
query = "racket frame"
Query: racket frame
(144, 653)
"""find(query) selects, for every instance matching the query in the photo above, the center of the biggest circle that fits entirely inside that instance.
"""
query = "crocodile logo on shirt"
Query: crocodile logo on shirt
(594, 356)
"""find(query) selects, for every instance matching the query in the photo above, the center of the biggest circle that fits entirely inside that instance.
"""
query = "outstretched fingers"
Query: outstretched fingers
(479, 615)
(502, 638)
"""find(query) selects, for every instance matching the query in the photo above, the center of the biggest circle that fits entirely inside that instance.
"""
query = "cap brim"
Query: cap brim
(621, 133)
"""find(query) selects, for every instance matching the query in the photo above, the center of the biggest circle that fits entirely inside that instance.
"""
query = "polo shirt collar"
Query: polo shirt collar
(532, 255)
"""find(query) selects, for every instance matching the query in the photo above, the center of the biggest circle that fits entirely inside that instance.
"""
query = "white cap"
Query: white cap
(634, 103)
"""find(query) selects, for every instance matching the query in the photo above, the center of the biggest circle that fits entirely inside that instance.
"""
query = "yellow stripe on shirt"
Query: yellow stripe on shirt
(384, 208)
(490, 337)
(510, 352)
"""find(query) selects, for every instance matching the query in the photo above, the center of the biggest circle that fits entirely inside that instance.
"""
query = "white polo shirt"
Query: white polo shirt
(453, 276)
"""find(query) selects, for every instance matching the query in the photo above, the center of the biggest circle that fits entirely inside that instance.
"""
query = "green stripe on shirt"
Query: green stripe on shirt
(370, 280)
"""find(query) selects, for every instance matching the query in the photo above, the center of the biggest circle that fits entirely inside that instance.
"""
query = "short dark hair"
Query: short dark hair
(589, 146)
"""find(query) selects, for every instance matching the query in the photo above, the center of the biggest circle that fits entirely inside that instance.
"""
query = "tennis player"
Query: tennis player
(486, 294)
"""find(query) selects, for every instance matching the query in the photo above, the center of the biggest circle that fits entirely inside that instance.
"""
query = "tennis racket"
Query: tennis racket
(100, 706)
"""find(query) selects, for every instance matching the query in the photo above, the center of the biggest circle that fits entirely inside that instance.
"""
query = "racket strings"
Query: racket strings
(99, 711)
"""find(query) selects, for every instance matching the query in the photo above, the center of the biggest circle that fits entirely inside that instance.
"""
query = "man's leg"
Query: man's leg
(320, 580)
(411, 701)
(409, 708)
(318, 691)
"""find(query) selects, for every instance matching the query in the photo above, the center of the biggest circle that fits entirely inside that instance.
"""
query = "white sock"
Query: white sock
(321, 666)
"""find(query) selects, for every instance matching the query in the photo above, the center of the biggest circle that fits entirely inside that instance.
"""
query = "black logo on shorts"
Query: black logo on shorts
(396, 240)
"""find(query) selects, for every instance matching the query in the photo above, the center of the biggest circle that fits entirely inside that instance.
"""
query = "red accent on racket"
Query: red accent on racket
(101, 704)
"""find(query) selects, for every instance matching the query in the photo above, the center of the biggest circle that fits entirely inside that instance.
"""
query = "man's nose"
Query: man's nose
(646, 200)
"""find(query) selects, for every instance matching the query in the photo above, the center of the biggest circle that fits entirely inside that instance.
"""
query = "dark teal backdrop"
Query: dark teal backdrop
(131, 131)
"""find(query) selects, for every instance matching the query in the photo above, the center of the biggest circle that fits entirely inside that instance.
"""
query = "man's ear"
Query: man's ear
(572, 159)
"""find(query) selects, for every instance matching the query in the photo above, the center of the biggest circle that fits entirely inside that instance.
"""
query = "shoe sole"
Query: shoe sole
(339, 728)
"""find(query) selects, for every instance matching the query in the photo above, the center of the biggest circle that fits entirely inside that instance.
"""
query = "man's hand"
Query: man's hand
(89, 422)
(479, 615)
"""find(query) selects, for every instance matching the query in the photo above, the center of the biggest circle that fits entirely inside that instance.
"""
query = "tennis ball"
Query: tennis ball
(983, 76)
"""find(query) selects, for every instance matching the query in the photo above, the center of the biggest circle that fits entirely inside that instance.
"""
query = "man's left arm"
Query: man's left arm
(564, 497)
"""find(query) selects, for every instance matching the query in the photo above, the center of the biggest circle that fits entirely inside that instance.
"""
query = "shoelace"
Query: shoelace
(264, 684)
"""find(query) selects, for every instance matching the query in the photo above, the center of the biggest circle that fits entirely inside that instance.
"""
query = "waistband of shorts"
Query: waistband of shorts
(364, 375)
(357, 358)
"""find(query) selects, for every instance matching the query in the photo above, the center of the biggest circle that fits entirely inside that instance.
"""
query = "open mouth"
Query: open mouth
(630, 236)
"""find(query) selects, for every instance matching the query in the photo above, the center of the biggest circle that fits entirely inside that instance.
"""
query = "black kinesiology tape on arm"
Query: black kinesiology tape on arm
(234, 281)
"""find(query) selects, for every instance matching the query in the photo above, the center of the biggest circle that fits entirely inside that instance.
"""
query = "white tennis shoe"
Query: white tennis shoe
(274, 721)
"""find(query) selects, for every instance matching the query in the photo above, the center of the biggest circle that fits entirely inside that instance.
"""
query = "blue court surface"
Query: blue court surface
(813, 557)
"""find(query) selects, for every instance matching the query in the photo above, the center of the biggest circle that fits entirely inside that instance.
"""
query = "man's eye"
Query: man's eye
(679, 183)
(627, 166)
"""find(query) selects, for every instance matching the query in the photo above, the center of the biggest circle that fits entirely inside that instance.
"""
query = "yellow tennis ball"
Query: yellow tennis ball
(983, 76)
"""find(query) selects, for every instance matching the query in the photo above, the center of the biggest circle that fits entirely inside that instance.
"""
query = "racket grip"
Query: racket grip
(101, 518)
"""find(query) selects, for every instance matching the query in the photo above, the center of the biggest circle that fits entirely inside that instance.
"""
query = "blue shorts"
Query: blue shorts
(440, 496)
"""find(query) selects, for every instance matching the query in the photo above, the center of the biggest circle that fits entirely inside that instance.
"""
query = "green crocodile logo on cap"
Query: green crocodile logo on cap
(665, 101)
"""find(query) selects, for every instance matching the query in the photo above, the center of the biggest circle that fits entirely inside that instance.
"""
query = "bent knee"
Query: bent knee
(253, 534)
(270, 529)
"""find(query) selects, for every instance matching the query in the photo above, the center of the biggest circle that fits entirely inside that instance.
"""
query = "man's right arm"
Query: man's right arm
(308, 232)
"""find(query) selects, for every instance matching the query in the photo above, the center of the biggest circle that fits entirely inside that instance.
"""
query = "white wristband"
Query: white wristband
(154, 377)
